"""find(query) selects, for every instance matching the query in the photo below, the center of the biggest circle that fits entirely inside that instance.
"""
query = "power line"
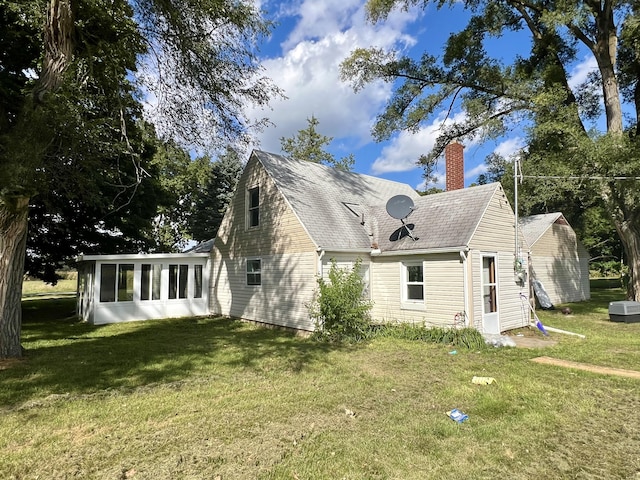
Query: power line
(575, 177)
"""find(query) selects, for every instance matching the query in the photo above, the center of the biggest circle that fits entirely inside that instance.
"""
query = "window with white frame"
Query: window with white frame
(413, 283)
(116, 282)
(254, 271)
(253, 207)
(150, 277)
(178, 281)
(197, 281)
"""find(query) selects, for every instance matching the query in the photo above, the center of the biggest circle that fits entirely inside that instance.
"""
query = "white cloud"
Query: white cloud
(308, 73)
(510, 147)
(580, 72)
(474, 172)
(405, 148)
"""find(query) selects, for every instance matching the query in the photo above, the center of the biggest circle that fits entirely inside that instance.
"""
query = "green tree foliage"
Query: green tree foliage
(72, 76)
(178, 177)
(214, 195)
(340, 310)
(532, 91)
(309, 145)
(584, 210)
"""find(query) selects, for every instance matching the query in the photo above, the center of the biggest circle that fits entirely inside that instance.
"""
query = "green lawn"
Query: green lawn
(215, 398)
(32, 288)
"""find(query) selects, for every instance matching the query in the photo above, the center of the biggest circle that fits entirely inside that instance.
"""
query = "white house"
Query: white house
(449, 262)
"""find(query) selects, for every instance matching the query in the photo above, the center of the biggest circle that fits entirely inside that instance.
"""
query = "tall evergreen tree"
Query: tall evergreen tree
(211, 201)
(309, 145)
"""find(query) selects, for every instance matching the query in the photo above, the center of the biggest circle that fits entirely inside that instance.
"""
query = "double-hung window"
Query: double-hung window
(253, 207)
(254, 271)
(413, 285)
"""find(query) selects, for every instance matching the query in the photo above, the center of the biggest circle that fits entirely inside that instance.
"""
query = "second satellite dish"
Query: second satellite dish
(399, 206)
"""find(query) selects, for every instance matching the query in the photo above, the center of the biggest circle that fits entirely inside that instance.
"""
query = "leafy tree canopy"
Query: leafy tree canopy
(533, 92)
(73, 139)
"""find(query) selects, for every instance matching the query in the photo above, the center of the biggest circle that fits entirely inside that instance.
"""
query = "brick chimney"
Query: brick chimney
(454, 159)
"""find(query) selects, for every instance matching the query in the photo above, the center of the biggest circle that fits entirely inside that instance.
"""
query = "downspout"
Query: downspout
(465, 287)
(320, 256)
(515, 190)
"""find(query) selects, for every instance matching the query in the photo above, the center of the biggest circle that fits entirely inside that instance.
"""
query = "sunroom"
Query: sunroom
(128, 287)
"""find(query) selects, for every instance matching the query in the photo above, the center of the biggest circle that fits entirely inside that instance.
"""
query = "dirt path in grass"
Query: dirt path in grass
(589, 368)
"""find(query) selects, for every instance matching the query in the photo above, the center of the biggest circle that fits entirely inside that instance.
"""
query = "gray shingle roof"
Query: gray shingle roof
(329, 202)
(441, 221)
(202, 247)
(346, 210)
(534, 226)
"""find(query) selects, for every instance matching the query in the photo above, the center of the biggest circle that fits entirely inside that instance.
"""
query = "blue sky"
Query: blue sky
(303, 56)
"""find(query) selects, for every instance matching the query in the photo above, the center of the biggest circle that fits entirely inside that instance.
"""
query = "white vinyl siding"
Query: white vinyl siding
(289, 260)
(510, 305)
(443, 290)
(496, 230)
(288, 284)
(561, 263)
(496, 233)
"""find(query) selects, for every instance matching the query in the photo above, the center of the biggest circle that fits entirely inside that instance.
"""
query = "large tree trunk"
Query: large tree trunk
(629, 232)
(58, 46)
(13, 241)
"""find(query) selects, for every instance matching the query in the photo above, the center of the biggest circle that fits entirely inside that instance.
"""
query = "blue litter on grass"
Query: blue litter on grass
(457, 416)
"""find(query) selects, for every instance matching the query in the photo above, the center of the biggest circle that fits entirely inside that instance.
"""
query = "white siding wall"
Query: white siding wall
(496, 235)
(288, 284)
(444, 289)
(561, 263)
(288, 256)
(512, 308)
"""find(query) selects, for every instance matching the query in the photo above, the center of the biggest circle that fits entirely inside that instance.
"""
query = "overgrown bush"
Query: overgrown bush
(339, 308)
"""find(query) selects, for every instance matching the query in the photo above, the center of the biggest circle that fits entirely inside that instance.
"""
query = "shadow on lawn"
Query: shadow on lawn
(65, 356)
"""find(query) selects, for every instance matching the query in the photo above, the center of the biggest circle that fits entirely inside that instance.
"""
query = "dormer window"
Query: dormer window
(253, 207)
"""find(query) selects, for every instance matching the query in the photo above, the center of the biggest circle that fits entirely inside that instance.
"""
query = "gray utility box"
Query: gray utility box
(624, 311)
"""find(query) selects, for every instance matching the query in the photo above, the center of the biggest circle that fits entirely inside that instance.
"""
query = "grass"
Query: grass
(39, 288)
(207, 398)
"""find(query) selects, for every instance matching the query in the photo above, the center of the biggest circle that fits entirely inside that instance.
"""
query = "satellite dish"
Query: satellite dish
(400, 206)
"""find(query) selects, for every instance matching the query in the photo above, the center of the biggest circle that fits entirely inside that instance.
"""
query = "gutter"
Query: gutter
(140, 256)
(428, 251)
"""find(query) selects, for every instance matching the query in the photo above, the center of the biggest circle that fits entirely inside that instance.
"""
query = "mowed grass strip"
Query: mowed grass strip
(207, 398)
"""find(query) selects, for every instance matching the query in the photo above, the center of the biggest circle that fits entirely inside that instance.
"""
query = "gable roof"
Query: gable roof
(328, 202)
(534, 226)
(446, 220)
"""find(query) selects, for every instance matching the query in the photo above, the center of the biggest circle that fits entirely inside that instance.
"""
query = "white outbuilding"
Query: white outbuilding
(559, 261)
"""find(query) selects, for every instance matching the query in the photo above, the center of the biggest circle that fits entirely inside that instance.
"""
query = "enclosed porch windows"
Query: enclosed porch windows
(117, 282)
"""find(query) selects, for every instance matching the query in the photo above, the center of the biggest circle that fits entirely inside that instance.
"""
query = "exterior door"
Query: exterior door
(490, 317)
